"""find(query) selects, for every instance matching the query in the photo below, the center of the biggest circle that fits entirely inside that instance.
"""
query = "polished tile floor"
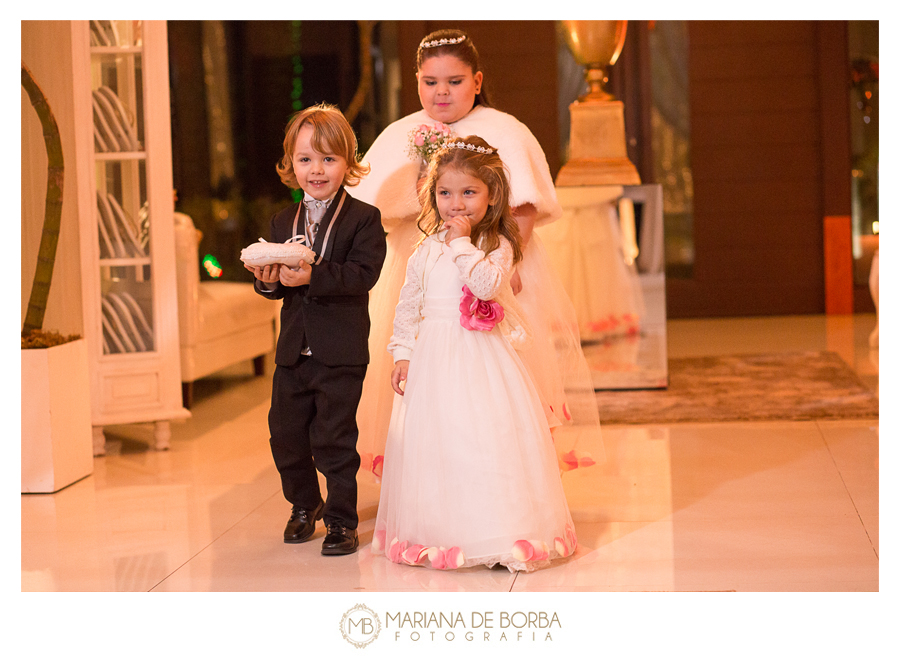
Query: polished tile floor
(775, 506)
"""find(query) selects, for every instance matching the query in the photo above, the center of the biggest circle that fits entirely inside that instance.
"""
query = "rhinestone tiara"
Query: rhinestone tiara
(470, 147)
(442, 42)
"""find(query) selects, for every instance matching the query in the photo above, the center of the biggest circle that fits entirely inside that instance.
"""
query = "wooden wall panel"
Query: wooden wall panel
(767, 112)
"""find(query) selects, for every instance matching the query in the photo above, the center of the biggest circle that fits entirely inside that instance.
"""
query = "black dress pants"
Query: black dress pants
(312, 423)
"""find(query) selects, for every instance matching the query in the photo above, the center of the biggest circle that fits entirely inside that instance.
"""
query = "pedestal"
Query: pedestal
(597, 150)
(56, 417)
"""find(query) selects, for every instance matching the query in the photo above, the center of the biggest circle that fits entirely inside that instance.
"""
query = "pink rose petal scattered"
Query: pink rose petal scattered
(378, 541)
(455, 558)
(415, 554)
(541, 552)
(571, 539)
(523, 550)
(576, 459)
(561, 547)
(437, 558)
(395, 552)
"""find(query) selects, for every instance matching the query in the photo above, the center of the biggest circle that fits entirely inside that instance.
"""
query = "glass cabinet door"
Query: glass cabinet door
(121, 208)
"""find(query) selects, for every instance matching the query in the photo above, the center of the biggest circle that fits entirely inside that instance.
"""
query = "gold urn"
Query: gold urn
(597, 151)
(596, 45)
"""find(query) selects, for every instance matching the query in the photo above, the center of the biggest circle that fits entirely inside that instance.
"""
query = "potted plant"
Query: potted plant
(56, 409)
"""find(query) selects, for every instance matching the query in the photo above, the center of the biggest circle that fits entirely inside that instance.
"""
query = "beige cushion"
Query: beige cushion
(220, 322)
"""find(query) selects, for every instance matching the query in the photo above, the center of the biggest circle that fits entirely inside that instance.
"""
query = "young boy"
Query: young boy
(322, 350)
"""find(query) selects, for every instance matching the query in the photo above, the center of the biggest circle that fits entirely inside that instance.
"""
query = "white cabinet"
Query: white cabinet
(127, 230)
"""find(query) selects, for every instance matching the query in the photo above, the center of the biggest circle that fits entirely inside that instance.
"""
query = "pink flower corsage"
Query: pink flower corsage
(426, 140)
(478, 314)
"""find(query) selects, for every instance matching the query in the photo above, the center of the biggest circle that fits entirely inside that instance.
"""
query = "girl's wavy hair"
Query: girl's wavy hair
(464, 51)
(331, 134)
(489, 169)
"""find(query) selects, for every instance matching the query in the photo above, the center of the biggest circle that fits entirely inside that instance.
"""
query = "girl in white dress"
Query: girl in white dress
(470, 472)
(451, 89)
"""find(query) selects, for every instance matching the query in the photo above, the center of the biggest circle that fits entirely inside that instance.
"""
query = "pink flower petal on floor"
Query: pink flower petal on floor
(576, 459)
(522, 550)
(395, 553)
(414, 554)
(432, 552)
(560, 547)
(568, 461)
(455, 558)
(571, 539)
(378, 541)
(541, 552)
(438, 558)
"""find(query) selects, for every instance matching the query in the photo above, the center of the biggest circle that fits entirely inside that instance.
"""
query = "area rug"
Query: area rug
(789, 386)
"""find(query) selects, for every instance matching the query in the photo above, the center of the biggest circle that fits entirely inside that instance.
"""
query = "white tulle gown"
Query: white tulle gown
(555, 360)
(470, 473)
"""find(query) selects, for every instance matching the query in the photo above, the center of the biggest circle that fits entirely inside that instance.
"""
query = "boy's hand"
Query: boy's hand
(294, 278)
(266, 274)
(401, 368)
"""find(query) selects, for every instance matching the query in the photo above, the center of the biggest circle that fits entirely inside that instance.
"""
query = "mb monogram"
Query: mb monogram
(360, 625)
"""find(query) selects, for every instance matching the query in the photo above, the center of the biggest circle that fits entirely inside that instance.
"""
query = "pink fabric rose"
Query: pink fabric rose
(419, 139)
(478, 314)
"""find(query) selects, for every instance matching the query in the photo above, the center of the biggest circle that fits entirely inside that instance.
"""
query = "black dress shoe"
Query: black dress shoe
(340, 540)
(302, 524)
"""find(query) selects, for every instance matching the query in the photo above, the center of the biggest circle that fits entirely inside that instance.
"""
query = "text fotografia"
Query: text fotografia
(477, 626)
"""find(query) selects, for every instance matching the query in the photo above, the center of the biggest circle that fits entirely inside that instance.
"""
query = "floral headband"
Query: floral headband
(442, 42)
(470, 147)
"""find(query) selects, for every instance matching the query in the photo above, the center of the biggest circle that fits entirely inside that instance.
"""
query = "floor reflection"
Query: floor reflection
(636, 361)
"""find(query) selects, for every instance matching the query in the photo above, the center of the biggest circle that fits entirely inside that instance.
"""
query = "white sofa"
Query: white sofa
(220, 322)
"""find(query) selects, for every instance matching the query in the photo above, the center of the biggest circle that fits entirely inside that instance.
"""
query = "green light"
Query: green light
(211, 265)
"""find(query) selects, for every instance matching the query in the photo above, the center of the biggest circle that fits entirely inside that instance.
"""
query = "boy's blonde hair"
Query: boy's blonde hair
(331, 134)
(489, 169)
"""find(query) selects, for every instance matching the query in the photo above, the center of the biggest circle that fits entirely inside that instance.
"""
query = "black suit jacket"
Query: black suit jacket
(331, 314)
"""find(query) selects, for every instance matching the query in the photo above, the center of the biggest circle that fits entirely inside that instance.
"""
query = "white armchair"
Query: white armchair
(220, 322)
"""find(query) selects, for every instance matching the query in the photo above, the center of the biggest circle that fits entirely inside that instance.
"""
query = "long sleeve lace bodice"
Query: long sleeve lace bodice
(486, 275)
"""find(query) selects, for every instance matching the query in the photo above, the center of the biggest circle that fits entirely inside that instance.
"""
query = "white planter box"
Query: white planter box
(57, 445)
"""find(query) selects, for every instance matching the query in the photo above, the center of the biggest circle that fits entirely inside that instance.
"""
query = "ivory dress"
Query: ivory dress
(470, 472)
(585, 248)
(555, 360)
